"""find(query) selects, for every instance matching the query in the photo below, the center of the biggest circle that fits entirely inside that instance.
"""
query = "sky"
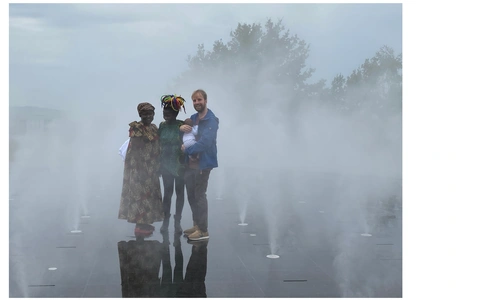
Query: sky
(68, 55)
(77, 56)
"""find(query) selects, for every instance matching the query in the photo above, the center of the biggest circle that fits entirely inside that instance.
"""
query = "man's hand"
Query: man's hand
(183, 146)
(185, 128)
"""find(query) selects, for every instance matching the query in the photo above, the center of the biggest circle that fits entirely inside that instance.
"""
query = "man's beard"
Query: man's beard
(199, 108)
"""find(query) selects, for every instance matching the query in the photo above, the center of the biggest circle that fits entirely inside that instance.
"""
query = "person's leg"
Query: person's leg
(180, 194)
(201, 184)
(190, 186)
(195, 273)
(168, 181)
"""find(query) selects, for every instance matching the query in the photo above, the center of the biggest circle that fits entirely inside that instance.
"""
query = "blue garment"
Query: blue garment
(206, 143)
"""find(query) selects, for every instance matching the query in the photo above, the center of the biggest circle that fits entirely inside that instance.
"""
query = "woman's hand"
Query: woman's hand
(185, 128)
(183, 146)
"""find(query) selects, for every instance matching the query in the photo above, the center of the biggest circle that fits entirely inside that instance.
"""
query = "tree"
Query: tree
(376, 86)
(265, 65)
(262, 62)
(337, 91)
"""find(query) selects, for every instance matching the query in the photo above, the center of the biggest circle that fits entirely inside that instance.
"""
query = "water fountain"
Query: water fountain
(270, 199)
(219, 180)
(82, 162)
(243, 212)
(241, 193)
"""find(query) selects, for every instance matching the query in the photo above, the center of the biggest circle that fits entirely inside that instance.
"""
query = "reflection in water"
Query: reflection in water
(140, 262)
(194, 282)
(139, 267)
(169, 284)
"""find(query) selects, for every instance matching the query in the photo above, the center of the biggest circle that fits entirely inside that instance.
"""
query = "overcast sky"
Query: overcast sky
(70, 56)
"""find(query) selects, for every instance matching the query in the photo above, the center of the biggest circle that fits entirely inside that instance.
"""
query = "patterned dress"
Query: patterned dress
(141, 200)
(139, 267)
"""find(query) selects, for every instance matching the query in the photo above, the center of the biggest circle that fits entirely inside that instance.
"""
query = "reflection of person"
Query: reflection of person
(139, 267)
(141, 199)
(194, 283)
(172, 160)
(196, 178)
(169, 284)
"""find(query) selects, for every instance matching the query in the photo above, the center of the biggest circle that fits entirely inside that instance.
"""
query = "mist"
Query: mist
(274, 151)
(350, 165)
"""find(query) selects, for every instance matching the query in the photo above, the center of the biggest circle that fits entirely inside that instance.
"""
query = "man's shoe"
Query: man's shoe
(198, 243)
(190, 230)
(198, 235)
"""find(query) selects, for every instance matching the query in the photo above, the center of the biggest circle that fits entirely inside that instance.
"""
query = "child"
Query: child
(189, 139)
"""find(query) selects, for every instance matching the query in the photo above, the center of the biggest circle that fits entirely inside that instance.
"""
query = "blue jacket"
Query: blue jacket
(206, 143)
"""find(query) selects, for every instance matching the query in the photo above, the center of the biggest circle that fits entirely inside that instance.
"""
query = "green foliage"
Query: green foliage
(268, 61)
(254, 55)
(376, 86)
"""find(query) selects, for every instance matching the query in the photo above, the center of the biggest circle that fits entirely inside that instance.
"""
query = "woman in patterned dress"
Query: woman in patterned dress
(141, 200)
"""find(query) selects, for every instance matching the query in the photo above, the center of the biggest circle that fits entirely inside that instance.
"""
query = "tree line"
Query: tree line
(256, 55)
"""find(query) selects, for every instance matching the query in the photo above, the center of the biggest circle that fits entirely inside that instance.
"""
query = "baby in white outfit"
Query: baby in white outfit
(189, 137)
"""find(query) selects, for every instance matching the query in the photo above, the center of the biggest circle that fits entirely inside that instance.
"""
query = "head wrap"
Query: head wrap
(173, 102)
(144, 106)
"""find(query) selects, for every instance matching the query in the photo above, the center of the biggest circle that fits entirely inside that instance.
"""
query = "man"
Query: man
(193, 286)
(198, 172)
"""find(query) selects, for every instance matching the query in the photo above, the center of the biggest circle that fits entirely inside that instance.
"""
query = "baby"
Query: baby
(189, 140)
(189, 137)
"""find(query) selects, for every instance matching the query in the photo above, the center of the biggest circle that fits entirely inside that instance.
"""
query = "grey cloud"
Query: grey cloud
(141, 47)
(65, 15)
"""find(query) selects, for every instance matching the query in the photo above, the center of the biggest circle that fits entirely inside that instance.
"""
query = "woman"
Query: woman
(141, 201)
(172, 159)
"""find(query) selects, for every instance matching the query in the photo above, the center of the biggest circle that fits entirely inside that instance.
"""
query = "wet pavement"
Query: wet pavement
(318, 238)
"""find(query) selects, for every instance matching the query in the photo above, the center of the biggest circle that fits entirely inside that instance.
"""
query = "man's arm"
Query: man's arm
(209, 136)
